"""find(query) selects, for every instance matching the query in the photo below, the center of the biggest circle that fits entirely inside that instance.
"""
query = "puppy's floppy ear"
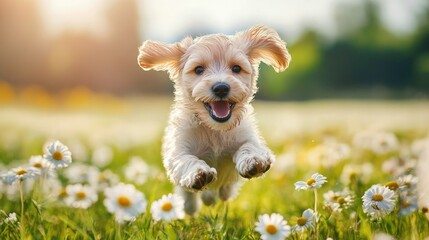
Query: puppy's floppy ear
(162, 57)
(264, 44)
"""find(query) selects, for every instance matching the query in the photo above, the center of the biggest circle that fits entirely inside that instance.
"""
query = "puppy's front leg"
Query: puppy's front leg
(253, 159)
(189, 172)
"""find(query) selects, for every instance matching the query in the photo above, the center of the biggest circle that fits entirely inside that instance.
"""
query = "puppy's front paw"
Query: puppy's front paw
(254, 166)
(199, 179)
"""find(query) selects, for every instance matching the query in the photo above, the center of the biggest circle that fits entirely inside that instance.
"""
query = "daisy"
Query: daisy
(80, 196)
(125, 201)
(356, 172)
(58, 155)
(392, 185)
(407, 205)
(337, 201)
(43, 165)
(272, 227)
(378, 201)
(329, 154)
(11, 218)
(168, 208)
(397, 166)
(138, 171)
(378, 142)
(38, 162)
(103, 179)
(384, 142)
(305, 221)
(316, 181)
(407, 183)
(20, 174)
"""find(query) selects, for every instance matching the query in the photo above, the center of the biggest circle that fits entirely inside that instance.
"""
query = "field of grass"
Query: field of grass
(355, 145)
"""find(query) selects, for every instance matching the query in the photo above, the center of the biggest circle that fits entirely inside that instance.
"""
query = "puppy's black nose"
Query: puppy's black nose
(220, 89)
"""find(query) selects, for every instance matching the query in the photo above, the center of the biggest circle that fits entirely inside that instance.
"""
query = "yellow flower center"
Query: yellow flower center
(124, 201)
(425, 209)
(271, 229)
(166, 207)
(377, 197)
(301, 221)
(392, 185)
(37, 165)
(21, 172)
(310, 181)
(341, 200)
(80, 195)
(57, 156)
(406, 204)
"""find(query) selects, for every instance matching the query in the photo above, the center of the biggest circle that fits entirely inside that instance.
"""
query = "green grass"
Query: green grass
(274, 193)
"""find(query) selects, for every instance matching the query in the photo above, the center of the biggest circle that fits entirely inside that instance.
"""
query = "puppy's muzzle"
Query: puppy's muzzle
(221, 110)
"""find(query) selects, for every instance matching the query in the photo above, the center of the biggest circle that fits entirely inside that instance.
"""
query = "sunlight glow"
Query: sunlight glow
(77, 15)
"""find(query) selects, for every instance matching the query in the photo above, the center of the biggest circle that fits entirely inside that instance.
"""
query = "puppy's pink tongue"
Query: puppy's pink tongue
(220, 108)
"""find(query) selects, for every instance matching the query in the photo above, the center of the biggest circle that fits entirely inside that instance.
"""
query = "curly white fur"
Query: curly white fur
(202, 154)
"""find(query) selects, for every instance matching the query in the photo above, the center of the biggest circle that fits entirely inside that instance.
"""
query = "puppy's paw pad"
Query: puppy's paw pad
(255, 168)
(202, 179)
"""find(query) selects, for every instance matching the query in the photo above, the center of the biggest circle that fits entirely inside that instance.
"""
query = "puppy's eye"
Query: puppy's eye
(236, 69)
(199, 70)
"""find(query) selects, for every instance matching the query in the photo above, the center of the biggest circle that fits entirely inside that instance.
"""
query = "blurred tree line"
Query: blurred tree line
(364, 61)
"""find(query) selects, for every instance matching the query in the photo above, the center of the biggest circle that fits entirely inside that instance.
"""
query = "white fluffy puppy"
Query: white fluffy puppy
(212, 139)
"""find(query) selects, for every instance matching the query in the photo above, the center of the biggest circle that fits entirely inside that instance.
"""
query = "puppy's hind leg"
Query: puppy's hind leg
(192, 202)
(228, 192)
(208, 197)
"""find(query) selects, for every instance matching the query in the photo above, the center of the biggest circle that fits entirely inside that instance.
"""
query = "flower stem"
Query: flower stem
(21, 195)
(315, 214)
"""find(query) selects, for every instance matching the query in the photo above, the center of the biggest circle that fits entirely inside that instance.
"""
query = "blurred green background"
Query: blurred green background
(340, 48)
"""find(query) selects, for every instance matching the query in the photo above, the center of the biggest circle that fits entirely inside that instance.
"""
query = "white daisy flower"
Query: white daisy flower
(384, 142)
(356, 172)
(20, 174)
(138, 171)
(38, 162)
(329, 154)
(305, 222)
(125, 201)
(378, 201)
(80, 196)
(397, 166)
(103, 179)
(168, 208)
(316, 181)
(407, 183)
(407, 205)
(43, 165)
(337, 201)
(11, 218)
(272, 227)
(392, 185)
(378, 142)
(58, 155)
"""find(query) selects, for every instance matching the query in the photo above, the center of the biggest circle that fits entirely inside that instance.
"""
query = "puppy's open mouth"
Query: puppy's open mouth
(220, 111)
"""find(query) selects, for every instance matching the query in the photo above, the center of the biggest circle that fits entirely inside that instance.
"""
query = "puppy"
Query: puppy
(211, 138)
